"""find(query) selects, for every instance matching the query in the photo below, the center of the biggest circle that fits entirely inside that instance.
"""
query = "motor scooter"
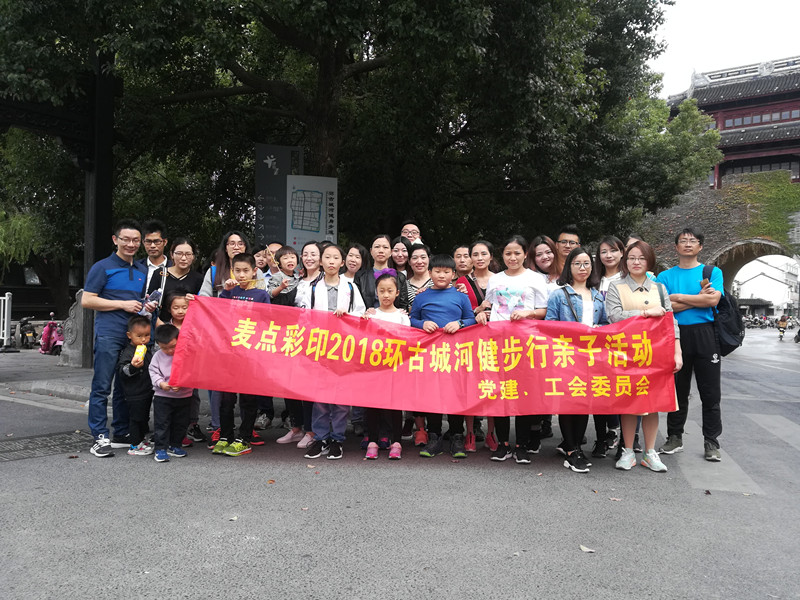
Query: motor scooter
(52, 338)
(27, 332)
(781, 331)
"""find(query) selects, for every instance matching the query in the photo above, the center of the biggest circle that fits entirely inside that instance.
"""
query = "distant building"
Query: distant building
(774, 280)
(756, 109)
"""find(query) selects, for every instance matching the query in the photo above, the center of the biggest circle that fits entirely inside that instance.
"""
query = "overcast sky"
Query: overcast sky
(707, 35)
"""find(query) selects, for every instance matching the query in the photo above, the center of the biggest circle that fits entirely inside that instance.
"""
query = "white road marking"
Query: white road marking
(779, 426)
(55, 405)
(726, 476)
(767, 366)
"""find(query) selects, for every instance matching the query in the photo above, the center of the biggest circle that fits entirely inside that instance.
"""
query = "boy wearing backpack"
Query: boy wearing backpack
(693, 299)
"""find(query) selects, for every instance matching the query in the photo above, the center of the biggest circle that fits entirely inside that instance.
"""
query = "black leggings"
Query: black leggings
(384, 420)
(299, 413)
(248, 406)
(573, 428)
(522, 428)
(455, 422)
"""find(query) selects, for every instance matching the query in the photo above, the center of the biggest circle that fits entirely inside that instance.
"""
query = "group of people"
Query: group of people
(396, 279)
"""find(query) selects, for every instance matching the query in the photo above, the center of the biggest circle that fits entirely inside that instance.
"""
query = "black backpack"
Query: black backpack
(730, 325)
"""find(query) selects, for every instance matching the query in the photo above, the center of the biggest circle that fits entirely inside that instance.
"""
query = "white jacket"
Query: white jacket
(320, 294)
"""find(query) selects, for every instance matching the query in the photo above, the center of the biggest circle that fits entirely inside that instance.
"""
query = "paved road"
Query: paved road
(276, 525)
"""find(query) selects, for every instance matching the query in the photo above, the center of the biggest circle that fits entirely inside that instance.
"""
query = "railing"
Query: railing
(5, 320)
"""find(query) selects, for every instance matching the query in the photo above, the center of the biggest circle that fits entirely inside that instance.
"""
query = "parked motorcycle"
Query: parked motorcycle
(52, 338)
(27, 332)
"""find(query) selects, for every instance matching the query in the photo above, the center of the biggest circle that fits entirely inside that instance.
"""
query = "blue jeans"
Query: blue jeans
(328, 421)
(214, 401)
(106, 355)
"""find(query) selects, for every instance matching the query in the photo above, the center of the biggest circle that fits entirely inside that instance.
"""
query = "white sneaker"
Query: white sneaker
(653, 462)
(262, 422)
(102, 447)
(627, 460)
(306, 441)
(290, 437)
(141, 450)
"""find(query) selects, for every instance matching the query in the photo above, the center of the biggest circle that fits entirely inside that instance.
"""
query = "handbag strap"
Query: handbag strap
(571, 306)
(660, 288)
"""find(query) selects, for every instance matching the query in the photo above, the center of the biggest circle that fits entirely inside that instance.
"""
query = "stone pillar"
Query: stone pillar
(78, 336)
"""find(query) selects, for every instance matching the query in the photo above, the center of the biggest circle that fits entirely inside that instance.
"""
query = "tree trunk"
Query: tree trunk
(324, 134)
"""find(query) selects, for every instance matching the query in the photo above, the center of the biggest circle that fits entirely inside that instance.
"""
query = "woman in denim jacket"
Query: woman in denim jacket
(576, 302)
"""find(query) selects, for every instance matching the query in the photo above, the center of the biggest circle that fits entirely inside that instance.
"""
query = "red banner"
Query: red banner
(505, 368)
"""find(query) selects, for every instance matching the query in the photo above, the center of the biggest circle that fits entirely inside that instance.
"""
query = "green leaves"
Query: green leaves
(479, 117)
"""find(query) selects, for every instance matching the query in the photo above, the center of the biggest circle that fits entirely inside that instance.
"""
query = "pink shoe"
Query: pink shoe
(395, 451)
(491, 442)
(469, 443)
(372, 451)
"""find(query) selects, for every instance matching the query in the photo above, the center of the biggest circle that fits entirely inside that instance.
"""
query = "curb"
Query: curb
(53, 388)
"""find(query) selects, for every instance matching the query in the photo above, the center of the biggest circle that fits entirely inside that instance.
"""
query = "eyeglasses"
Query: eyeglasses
(183, 254)
(126, 241)
(408, 232)
(637, 259)
(153, 242)
(237, 244)
(569, 243)
(582, 265)
(688, 241)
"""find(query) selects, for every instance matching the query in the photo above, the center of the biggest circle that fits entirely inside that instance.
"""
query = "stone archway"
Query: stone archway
(734, 256)
(754, 215)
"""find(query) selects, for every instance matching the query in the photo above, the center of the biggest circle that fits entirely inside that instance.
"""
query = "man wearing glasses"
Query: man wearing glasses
(693, 299)
(567, 240)
(410, 231)
(114, 289)
(155, 244)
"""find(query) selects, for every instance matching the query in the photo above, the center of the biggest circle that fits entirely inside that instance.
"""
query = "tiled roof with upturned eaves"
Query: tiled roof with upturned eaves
(759, 135)
(756, 87)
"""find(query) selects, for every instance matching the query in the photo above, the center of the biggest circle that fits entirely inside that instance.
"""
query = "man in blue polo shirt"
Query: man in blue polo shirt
(114, 288)
(693, 299)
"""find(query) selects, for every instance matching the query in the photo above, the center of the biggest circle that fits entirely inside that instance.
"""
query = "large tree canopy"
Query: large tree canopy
(477, 117)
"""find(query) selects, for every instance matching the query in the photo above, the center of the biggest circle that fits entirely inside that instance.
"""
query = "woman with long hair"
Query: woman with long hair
(577, 302)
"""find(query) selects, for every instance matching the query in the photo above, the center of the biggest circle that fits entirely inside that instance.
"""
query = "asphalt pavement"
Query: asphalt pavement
(277, 525)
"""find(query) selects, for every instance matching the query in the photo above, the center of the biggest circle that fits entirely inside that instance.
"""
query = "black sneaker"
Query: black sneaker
(534, 444)
(358, 429)
(599, 450)
(195, 434)
(562, 449)
(620, 448)
(502, 453)
(457, 446)
(547, 430)
(121, 441)
(521, 456)
(316, 449)
(576, 462)
(583, 456)
(334, 450)
(102, 447)
(637, 447)
(434, 446)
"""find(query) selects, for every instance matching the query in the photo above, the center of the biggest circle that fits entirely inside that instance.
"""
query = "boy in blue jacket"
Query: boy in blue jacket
(442, 306)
